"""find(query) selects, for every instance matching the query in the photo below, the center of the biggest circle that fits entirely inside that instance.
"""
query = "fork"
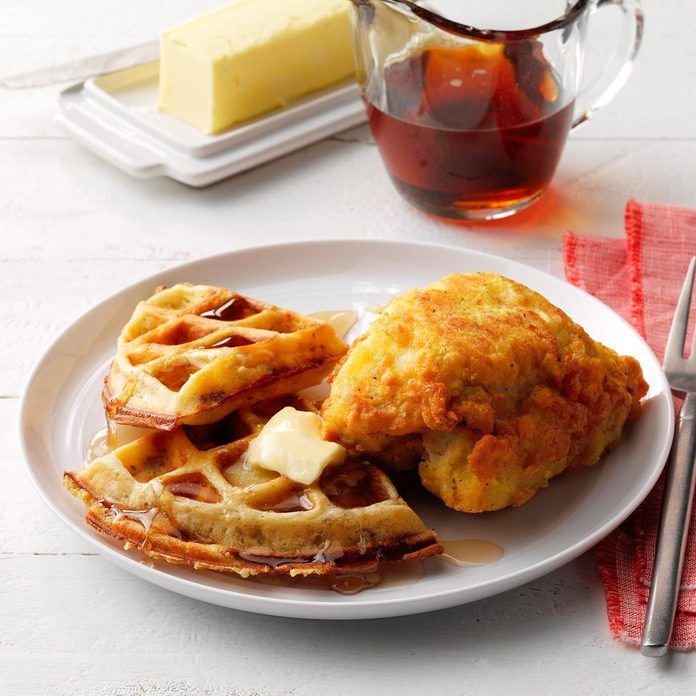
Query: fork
(679, 484)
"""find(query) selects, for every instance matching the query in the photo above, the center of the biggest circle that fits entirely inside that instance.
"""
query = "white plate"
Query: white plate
(115, 115)
(61, 409)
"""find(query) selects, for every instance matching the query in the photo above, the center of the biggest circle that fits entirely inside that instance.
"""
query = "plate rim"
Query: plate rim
(363, 608)
(145, 154)
(331, 96)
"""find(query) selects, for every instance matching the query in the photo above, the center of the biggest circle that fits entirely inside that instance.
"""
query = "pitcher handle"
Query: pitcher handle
(603, 90)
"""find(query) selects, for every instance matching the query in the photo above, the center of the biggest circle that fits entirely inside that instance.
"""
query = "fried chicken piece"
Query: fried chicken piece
(486, 386)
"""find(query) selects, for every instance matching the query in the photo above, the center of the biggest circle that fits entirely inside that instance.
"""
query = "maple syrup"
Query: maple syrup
(145, 517)
(471, 127)
(352, 485)
(350, 324)
(271, 561)
(232, 310)
(98, 446)
(352, 584)
(389, 575)
(194, 487)
(293, 500)
(231, 342)
(292, 503)
(111, 437)
(329, 552)
(366, 312)
(471, 552)
(342, 320)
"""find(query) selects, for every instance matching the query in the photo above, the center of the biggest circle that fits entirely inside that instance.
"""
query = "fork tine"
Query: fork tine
(677, 334)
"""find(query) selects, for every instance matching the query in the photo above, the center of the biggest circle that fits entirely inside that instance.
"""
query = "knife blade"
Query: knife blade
(83, 68)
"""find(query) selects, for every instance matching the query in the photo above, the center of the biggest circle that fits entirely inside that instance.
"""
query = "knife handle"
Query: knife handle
(671, 539)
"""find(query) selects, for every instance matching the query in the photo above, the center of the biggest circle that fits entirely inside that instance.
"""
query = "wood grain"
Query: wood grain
(73, 230)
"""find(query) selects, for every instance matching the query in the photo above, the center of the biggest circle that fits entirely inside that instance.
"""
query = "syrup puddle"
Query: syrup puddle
(352, 584)
(98, 446)
(145, 517)
(328, 553)
(470, 552)
(113, 436)
(269, 561)
(388, 576)
(367, 312)
(350, 324)
(342, 320)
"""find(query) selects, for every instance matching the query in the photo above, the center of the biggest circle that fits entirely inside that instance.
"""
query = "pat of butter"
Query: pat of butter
(252, 56)
(291, 444)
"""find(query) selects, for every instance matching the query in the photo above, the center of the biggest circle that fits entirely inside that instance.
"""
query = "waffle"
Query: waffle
(191, 354)
(187, 496)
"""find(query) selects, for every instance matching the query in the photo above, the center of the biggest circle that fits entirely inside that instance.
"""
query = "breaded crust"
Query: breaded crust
(493, 388)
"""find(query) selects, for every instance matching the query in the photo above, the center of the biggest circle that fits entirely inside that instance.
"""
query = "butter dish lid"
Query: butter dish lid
(115, 116)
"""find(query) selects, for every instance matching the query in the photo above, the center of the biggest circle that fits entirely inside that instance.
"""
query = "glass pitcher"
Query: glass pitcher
(471, 122)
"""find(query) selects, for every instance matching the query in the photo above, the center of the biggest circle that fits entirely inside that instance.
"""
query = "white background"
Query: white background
(73, 230)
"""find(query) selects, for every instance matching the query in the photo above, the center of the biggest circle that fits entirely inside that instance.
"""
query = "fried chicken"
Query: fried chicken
(485, 386)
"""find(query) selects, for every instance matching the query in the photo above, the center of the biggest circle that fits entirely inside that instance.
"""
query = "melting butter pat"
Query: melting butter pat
(252, 56)
(291, 444)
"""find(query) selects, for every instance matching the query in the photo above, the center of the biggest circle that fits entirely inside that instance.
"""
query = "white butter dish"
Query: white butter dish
(115, 115)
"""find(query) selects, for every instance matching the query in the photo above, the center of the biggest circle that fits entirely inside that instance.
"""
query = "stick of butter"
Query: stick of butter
(252, 56)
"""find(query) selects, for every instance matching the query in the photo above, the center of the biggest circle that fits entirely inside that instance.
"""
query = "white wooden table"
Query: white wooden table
(73, 229)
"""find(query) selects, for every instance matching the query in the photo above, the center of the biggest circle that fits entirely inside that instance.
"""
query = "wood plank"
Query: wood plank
(652, 105)
(95, 629)
(78, 19)
(90, 210)
(27, 526)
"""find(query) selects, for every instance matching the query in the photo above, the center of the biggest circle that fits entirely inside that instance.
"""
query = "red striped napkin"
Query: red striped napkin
(640, 276)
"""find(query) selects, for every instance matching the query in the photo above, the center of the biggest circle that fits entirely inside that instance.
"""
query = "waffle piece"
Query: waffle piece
(193, 353)
(188, 497)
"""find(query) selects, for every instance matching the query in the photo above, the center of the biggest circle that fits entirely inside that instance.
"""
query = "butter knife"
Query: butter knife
(83, 68)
